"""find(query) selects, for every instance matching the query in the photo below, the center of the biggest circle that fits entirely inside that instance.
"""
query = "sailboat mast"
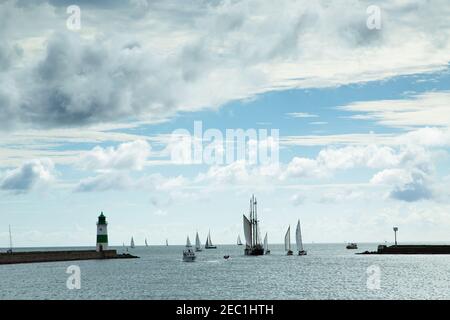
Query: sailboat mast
(256, 222)
(251, 221)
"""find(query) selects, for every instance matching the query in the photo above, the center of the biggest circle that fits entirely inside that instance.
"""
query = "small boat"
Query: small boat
(287, 242)
(352, 245)
(167, 242)
(208, 244)
(188, 253)
(239, 242)
(266, 245)
(198, 245)
(132, 243)
(146, 244)
(298, 238)
(226, 256)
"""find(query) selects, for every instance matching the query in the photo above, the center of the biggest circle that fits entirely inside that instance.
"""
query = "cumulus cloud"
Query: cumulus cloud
(417, 189)
(331, 159)
(172, 58)
(28, 176)
(104, 182)
(126, 156)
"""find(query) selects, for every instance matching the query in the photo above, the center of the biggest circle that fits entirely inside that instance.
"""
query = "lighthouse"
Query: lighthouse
(102, 233)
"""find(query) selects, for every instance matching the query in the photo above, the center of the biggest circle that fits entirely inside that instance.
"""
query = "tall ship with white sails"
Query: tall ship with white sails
(298, 238)
(253, 245)
(198, 245)
(287, 242)
(209, 244)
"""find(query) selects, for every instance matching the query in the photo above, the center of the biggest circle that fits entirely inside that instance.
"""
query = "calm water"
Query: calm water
(329, 271)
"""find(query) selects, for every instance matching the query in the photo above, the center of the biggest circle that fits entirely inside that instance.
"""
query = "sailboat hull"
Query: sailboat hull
(255, 251)
(210, 247)
(302, 253)
(289, 253)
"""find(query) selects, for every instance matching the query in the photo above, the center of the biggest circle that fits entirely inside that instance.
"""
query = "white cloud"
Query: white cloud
(28, 176)
(126, 156)
(105, 182)
(426, 109)
(173, 58)
(392, 177)
(301, 115)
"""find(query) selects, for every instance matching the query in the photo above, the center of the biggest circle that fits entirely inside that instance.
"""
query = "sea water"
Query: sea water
(329, 271)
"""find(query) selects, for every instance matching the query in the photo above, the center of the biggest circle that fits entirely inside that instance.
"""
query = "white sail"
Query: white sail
(198, 245)
(298, 237)
(167, 242)
(208, 240)
(266, 244)
(188, 243)
(146, 244)
(247, 231)
(287, 239)
(239, 242)
(132, 243)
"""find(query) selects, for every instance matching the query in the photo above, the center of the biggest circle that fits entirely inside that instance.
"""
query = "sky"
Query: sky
(92, 106)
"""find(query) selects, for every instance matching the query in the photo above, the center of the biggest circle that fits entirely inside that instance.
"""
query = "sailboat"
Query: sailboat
(298, 238)
(266, 245)
(253, 245)
(208, 244)
(198, 245)
(239, 242)
(146, 244)
(167, 242)
(10, 250)
(188, 253)
(132, 243)
(287, 242)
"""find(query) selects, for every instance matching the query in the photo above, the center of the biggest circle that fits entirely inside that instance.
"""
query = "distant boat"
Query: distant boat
(298, 238)
(208, 244)
(266, 245)
(239, 242)
(167, 242)
(146, 244)
(287, 242)
(188, 253)
(132, 243)
(253, 245)
(10, 250)
(198, 245)
(352, 246)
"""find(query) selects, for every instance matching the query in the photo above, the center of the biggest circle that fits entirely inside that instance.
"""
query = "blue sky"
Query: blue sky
(87, 116)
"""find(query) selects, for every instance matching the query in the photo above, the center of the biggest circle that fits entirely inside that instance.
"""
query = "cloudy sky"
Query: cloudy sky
(86, 117)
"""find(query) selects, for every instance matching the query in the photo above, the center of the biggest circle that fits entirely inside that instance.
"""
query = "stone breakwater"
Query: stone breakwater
(52, 256)
(411, 249)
